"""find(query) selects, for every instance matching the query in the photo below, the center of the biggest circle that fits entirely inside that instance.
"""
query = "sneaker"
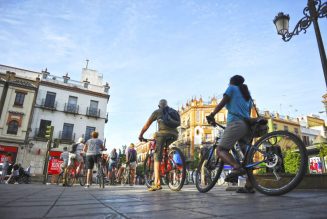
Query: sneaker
(249, 190)
(234, 174)
(87, 186)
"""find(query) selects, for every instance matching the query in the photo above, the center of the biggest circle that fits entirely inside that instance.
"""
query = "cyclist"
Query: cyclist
(112, 165)
(76, 154)
(237, 100)
(131, 161)
(165, 135)
(65, 157)
(93, 148)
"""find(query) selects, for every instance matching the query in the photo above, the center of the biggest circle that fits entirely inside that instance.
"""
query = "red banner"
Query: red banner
(54, 163)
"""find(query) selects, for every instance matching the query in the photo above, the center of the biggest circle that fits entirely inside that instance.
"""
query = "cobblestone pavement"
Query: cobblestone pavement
(50, 201)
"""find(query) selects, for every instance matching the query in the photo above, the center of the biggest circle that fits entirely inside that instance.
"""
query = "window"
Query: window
(93, 110)
(296, 131)
(50, 100)
(19, 99)
(275, 127)
(12, 127)
(306, 140)
(285, 128)
(43, 128)
(67, 132)
(72, 104)
(197, 116)
(88, 132)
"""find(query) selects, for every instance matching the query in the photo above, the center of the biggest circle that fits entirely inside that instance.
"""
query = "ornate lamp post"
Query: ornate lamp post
(314, 10)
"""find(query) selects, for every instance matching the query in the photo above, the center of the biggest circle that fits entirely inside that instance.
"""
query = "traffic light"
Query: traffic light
(49, 132)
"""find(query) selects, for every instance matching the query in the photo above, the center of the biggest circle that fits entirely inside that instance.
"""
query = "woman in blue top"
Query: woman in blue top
(237, 100)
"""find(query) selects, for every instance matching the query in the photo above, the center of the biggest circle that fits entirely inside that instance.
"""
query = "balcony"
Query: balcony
(66, 137)
(93, 112)
(106, 119)
(49, 106)
(39, 134)
(71, 108)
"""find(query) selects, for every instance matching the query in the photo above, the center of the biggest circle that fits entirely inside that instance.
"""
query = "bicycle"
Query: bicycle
(101, 166)
(171, 172)
(275, 164)
(72, 174)
(125, 178)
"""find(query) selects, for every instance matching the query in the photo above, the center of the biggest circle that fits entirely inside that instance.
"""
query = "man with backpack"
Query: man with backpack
(168, 120)
(131, 161)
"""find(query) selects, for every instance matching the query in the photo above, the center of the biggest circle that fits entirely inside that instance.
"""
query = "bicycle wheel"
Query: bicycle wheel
(70, 178)
(100, 177)
(208, 171)
(82, 179)
(278, 163)
(149, 170)
(176, 176)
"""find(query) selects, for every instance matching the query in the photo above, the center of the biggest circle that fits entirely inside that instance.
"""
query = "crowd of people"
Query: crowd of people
(85, 155)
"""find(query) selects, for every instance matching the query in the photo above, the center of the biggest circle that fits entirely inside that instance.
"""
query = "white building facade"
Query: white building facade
(73, 108)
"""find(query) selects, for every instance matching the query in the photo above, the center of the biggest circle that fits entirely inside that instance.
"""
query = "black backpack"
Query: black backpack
(171, 117)
(132, 155)
(74, 147)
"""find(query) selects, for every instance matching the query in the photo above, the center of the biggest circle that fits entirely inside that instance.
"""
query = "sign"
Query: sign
(5, 149)
(54, 163)
(315, 165)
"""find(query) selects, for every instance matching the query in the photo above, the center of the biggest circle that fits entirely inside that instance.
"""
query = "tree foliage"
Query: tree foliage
(291, 161)
(323, 150)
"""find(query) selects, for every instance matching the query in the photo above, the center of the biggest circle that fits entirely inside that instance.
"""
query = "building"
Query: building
(195, 130)
(17, 99)
(74, 108)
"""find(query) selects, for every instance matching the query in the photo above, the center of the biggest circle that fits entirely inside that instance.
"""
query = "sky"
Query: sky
(173, 49)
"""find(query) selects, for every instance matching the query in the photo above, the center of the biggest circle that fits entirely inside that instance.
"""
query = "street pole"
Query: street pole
(314, 15)
(46, 162)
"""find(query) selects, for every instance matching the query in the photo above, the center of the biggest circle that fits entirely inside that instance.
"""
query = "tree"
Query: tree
(291, 161)
(322, 150)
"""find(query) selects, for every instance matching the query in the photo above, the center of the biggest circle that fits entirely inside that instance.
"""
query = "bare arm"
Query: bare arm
(85, 148)
(221, 105)
(145, 128)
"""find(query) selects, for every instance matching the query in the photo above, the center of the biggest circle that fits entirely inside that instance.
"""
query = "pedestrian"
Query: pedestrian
(92, 148)
(166, 135)
(5, 160)
(131, 161)
(237, 100)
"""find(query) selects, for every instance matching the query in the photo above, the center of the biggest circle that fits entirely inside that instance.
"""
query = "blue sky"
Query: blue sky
(173, 49)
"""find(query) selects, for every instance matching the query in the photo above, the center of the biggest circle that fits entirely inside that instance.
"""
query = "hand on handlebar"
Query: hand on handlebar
(211, 119)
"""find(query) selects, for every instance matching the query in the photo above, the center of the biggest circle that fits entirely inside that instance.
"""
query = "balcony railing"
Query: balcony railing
(106, 119)
(51, 106)
(39, 134)
(71, 108)
(67, 137)
(93, 112)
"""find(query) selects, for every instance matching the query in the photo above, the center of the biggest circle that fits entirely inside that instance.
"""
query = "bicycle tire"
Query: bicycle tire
(70, 179)
(203, 188)
(101, 177)
(82, 179)
(148, 170)
(171, 175)
(265, 183)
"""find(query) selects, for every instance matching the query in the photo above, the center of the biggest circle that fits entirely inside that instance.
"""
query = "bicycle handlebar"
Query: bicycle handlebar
(147, 140)
(212, 121)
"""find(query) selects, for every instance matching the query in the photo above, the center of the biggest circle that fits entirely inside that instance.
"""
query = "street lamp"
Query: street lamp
(314, 10)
